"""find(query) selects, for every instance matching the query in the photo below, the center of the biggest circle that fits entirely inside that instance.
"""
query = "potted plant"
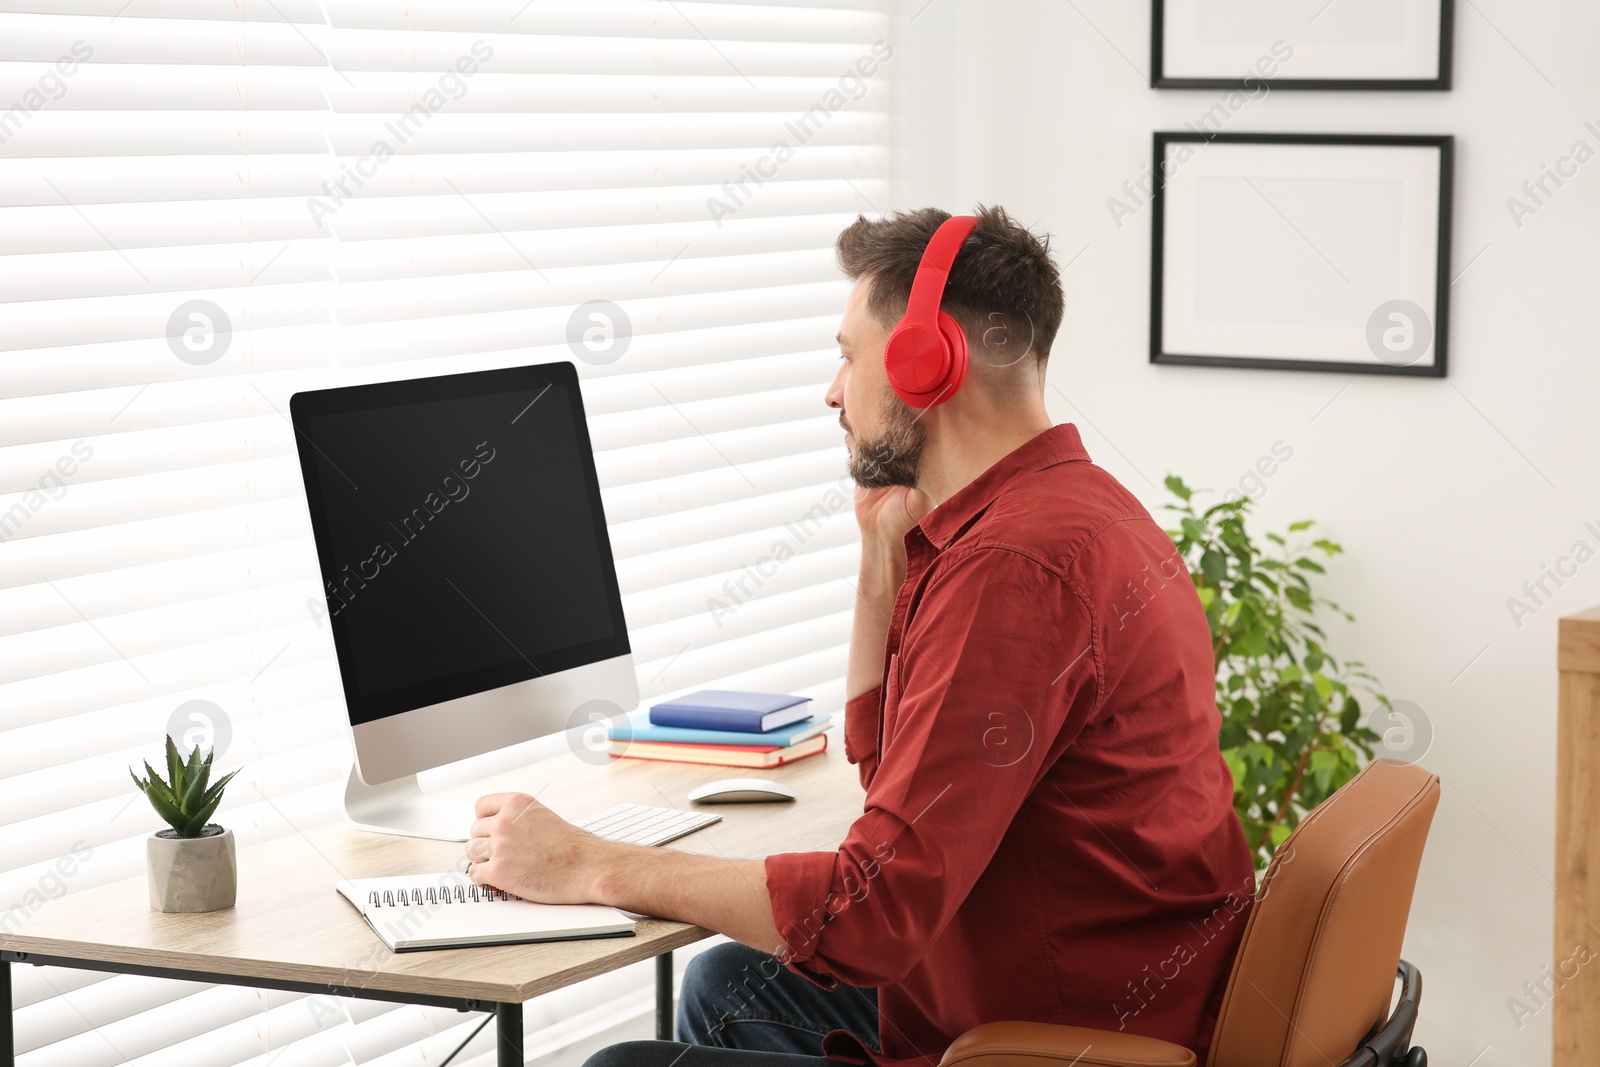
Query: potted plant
(192, 865)
(1292, 730)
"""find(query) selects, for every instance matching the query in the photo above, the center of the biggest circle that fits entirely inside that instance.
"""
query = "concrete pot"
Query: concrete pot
(190, 874)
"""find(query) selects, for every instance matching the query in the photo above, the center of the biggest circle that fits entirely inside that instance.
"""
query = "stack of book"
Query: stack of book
(727, 728)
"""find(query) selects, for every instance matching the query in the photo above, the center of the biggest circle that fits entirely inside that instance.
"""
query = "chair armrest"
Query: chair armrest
(1047, 1045)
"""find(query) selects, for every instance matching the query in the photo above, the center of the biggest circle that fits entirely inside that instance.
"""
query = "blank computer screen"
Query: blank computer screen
(462, 544)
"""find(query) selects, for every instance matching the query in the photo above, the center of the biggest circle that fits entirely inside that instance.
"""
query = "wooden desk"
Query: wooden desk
(291, 929)
(1576, 1001)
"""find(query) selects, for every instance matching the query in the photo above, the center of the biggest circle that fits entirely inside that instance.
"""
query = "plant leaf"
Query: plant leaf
(174, 767)
(157, 787)
(197, 781)
(197, 820)
(193, 826)
(1236, 767)
(166, 809)
(215, 792)
(1323, 764)
(191, 768)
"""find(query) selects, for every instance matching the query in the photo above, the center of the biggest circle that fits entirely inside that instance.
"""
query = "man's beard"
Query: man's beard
(895, 458)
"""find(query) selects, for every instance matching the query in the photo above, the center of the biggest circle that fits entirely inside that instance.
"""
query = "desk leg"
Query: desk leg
(8, 1035)
(664, 1019)
(508, 1034)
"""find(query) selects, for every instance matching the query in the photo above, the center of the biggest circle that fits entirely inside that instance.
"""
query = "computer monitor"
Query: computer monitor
(467, 574)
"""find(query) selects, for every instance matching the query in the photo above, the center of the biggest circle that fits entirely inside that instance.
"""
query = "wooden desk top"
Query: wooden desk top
(291, 925)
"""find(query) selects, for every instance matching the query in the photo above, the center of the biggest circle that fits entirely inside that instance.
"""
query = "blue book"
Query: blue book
(782, 737)
(728, 709)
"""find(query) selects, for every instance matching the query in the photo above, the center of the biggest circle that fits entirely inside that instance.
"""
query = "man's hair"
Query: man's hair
(1003, 289)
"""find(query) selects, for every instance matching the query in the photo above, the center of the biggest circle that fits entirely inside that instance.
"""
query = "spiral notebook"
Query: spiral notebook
(450, 910)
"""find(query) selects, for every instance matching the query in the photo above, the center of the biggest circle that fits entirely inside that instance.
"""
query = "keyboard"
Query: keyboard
(642, 824)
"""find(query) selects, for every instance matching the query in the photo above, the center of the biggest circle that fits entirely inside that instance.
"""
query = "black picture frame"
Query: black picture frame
(1445, 143)
(1441, 83)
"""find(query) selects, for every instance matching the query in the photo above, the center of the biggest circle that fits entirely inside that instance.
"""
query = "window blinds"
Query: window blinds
(207, 207)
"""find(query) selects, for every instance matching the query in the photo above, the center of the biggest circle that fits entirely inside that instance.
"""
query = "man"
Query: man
(1048, 832)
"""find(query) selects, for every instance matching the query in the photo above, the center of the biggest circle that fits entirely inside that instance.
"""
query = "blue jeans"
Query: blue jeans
(742, 1008)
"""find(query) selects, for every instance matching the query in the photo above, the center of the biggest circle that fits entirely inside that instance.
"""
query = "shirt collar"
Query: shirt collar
(1059, 444)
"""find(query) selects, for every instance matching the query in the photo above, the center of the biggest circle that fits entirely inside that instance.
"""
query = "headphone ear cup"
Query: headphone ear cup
(956, 341)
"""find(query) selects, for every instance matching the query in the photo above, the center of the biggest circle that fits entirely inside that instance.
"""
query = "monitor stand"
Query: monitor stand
(400, 807)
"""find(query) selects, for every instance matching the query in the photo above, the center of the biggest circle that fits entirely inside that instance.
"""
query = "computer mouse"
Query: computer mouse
(741, 791)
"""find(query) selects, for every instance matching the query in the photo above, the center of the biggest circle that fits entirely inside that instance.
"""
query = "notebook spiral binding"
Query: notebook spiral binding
(474, 894)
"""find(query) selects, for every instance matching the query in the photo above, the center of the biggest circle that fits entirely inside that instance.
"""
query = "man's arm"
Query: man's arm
(726, 895)
(983, 709)
(882, 571)
(884, 515)
(523, 847)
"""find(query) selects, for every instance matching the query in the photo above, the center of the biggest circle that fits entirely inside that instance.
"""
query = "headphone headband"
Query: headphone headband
(934, 270)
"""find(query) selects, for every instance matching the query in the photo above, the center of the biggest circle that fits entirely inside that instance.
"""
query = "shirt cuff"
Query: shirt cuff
(799, 885)
(862, 715)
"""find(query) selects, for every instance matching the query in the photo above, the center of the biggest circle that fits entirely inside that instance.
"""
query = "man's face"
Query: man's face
(883, 433)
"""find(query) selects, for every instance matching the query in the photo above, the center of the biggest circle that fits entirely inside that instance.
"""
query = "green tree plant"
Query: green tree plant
(1292, 730)
(183, 798)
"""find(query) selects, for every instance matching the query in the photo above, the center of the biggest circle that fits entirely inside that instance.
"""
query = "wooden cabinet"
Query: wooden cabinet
(1575, 1003)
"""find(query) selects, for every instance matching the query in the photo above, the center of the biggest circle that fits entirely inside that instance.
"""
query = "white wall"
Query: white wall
(1447, 495)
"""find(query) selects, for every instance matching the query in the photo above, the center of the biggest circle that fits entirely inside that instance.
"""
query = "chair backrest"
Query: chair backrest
(1316, 965)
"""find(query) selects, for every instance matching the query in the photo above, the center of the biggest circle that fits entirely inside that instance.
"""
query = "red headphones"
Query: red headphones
(926, 354)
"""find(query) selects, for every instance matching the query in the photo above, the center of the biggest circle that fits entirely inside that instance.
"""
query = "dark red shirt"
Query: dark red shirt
(1048, 831)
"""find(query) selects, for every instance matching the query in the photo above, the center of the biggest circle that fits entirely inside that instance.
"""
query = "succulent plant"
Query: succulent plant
(183, 798)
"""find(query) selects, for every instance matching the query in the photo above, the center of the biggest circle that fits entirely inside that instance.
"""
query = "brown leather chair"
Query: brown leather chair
(1316, 967)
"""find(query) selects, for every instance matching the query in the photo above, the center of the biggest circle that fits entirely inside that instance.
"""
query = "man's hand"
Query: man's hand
(523, 847)
(885, 515)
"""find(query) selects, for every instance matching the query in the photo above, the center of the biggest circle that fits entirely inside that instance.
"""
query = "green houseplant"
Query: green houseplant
(192, 866)
(1292, 730)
